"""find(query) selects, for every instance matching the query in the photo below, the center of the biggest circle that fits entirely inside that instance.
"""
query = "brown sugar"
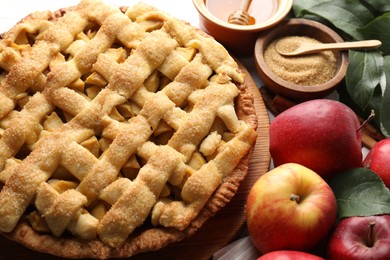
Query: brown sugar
(304, 70)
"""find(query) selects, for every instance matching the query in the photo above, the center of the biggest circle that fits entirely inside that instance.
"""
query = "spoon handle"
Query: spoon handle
(244, 5)
(312, 48)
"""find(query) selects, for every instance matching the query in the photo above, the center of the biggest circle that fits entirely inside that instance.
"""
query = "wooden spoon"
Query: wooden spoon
(306, 48)
(241, 16)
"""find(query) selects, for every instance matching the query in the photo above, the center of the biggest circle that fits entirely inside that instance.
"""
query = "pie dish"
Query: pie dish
(122, 130)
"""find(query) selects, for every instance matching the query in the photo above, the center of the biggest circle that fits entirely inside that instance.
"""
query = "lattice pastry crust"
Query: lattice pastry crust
(121, 130)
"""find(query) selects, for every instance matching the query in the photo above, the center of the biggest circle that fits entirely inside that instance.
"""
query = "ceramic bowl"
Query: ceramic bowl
(299, 27)
(239, 39)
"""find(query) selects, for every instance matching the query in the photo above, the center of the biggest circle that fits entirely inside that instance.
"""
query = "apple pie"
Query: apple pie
(122, 130)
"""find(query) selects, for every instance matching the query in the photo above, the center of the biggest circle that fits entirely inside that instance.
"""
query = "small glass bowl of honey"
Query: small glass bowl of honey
(240, 39)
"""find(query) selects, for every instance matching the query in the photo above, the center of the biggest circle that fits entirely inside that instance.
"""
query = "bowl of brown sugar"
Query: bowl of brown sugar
(301, 77)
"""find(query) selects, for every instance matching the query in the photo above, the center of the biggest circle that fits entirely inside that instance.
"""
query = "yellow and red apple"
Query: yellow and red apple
(290, 208)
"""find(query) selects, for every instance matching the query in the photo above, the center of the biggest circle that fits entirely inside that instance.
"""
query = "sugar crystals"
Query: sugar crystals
(305, 70)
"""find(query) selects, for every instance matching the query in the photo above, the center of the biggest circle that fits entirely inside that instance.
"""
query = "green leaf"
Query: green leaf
(379, 29)
(360, 192)
(385, 110)
(379, 5)
(364, 73)
(376, 105)
(346, 15)
(299, 6)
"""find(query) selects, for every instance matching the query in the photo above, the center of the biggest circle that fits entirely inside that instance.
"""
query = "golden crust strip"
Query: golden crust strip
(213, 52)
(140, 196)
(58, 209)
(125, 144)
(20, 188)
(31, 66)
(21, 126)
(196, 126)
(131, 74)
(201, 184)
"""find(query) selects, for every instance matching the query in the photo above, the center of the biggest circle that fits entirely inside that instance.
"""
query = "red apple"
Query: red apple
(378, 160)
(290, 208)
(361, 238)
(320, 134)
(289, 255)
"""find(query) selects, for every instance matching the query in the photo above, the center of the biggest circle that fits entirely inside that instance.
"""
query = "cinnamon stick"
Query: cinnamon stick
(268, 98)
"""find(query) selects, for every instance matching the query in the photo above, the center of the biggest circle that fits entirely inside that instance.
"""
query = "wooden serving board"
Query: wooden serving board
(219, 230)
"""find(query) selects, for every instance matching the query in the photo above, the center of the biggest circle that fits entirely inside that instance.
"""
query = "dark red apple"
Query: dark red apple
(289, 255)
(320, 134)
(361, 238)
(378, 160)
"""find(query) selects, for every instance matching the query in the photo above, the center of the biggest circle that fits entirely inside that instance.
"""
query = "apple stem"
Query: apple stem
(370, 241)
(294, 197)
(370, 117)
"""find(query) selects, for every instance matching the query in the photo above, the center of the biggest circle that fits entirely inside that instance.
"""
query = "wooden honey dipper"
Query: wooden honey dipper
(241, 16)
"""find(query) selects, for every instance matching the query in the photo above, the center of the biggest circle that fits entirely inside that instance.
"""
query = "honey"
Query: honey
(259, 10)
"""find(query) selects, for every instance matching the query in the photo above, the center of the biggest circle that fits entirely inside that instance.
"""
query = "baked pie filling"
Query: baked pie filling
(114, 120)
